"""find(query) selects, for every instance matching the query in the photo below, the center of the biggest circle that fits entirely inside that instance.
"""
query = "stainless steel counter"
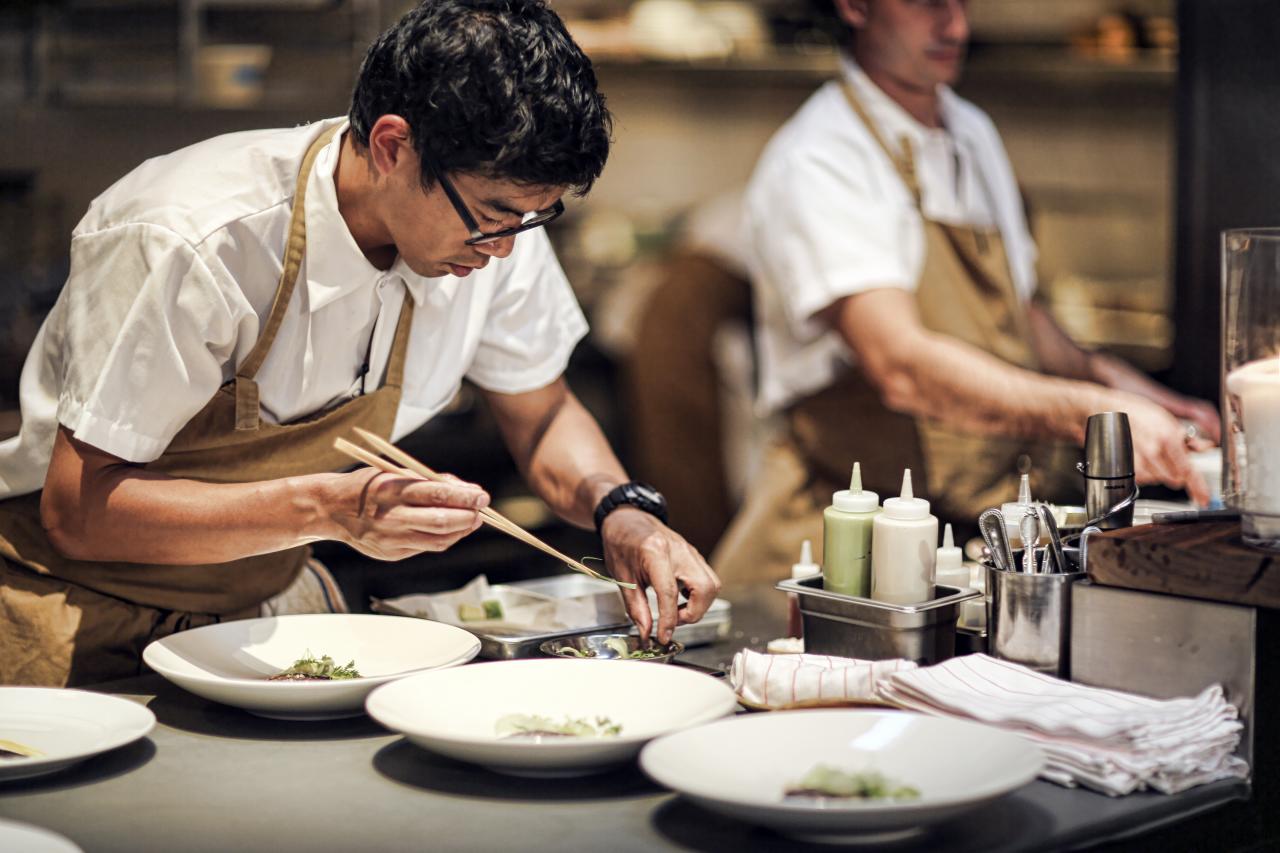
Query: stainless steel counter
(213, 778)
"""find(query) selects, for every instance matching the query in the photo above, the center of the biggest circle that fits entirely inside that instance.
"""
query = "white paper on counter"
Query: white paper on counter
(523, 611)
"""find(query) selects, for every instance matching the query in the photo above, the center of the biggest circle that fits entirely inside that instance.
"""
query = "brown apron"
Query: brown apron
(965, 291)
(67, 622)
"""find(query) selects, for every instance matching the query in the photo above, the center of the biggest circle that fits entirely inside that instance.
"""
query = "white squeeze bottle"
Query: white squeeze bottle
(1015, 510)
(806, 568)
(904, 545)
(949, 569)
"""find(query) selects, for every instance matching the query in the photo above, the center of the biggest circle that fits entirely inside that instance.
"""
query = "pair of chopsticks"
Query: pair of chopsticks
(488, 514)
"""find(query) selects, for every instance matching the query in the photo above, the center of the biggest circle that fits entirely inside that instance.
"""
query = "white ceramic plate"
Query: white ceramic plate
(741, 767)
(28, 838)
(66, 726)
(230, 662)
(453, 712)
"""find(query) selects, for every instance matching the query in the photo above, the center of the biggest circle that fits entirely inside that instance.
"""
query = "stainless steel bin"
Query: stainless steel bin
(849, 626)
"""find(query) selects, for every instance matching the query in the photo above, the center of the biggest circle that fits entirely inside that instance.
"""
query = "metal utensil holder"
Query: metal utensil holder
(1029, 618)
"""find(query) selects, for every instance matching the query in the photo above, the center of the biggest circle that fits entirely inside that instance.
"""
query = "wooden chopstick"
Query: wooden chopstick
(488, 514)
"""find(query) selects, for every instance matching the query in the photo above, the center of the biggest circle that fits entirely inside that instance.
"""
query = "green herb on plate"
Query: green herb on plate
(537, 726)
(824, 782)
(310, 668)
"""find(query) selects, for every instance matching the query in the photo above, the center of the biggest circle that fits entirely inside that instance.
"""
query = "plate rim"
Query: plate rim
(1026, 774)
(568, 745)
(138, 728)
(373, 681)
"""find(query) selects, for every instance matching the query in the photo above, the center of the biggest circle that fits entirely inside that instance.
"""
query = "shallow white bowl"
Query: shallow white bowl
(453, 712)
(66, 726)
(230, 662)
(741, 767)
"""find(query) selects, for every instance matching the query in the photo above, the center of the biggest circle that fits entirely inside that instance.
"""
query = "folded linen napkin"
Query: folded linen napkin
(780, 681)
(1107, 740)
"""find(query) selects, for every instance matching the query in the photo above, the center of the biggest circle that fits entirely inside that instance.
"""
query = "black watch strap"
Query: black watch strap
(639, 495)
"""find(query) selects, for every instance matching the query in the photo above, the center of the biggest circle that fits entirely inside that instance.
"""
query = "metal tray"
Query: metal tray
(715, 625)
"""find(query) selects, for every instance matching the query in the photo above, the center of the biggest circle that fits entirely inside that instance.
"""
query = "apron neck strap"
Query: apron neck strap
(295, 247)
(903, 159)
(400, 344)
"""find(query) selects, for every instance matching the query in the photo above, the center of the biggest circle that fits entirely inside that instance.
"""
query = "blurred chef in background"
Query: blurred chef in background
(894, 274)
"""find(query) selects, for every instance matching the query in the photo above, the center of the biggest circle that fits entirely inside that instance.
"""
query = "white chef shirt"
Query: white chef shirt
(173, 272)
(826, 215)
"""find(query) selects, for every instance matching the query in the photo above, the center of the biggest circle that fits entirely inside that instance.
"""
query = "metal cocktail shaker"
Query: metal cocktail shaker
(1108, 470)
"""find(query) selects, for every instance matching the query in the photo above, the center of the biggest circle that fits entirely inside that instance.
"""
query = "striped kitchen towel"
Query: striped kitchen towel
(1107, 740)
(805, 681)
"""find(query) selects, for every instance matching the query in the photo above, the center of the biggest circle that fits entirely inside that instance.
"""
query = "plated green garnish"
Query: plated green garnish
(619, 646)
(832, 783)
(311, 668)
(488, 609)
(537, 726)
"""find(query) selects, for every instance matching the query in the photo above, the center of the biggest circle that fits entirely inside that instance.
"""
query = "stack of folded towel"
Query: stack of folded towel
(1107, 740)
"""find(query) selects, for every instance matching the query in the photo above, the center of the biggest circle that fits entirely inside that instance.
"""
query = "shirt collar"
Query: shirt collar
(892, 120)
(335, 265)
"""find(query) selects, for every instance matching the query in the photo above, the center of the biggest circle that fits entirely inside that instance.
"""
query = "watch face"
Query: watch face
(648, 493)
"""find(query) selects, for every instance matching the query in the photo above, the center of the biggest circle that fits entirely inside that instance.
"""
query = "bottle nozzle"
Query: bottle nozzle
(1024, 489)
(906, 494)
(806, 552)
(947, 540)
(855, 479)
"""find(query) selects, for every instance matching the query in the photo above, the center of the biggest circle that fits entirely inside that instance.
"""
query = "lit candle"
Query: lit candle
(1257, 386)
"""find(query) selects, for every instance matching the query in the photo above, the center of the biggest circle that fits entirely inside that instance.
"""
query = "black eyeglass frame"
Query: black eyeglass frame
(478, 237)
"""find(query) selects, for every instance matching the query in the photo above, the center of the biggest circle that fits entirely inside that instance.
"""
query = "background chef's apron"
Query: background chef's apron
(66, 622)
(966, 291)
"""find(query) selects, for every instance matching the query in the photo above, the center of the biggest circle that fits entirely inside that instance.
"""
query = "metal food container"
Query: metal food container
(849, 626)
(715, 625)
(1029, 618)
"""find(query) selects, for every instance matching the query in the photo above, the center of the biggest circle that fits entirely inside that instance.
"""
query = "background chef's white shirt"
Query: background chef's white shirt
(827, 216)
(174, 268)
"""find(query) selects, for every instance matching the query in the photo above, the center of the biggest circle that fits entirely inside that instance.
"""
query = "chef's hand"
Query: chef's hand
(391, 517)
(641, 549)
(1203, 415)
(1160, 453)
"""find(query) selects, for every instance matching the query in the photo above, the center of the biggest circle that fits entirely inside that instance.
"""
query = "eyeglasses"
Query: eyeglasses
(531, 220)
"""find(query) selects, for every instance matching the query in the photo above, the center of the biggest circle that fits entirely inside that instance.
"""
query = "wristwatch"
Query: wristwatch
(636, 494)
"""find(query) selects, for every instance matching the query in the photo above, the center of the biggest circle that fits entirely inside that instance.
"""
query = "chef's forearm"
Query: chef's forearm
(561, 450)
(923, 373)
(96, 509)
(1057, 353)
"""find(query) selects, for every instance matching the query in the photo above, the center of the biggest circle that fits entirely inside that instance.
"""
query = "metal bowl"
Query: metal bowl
(594, 647)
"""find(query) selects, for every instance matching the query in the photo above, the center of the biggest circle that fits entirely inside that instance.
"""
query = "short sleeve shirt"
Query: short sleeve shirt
(173, 272)
(826, 215)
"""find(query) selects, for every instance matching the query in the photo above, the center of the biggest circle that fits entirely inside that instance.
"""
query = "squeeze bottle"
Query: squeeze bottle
(846, 538)
(949, 568)
(1014, 511)
(904, 549)
(806, 568)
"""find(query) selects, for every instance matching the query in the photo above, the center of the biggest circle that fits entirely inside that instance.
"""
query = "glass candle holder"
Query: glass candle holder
(1251, 381)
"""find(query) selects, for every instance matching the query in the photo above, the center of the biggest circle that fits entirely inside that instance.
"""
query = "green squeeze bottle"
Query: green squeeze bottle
(846, 538)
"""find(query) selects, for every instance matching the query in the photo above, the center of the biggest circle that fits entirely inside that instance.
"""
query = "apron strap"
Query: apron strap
(295, 247)
(903, 160)
(400, 344)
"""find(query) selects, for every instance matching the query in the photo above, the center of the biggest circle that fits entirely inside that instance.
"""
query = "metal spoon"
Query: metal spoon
(1055, 539)
(991, 525)
(1029, 530)
(1084, 545)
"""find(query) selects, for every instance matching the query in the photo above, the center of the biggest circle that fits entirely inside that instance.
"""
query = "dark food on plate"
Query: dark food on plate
(536, 726)
(309, 668)
(824, 782)
(13, 749)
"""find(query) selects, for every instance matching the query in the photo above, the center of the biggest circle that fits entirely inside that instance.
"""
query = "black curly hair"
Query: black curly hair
(490, 87)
